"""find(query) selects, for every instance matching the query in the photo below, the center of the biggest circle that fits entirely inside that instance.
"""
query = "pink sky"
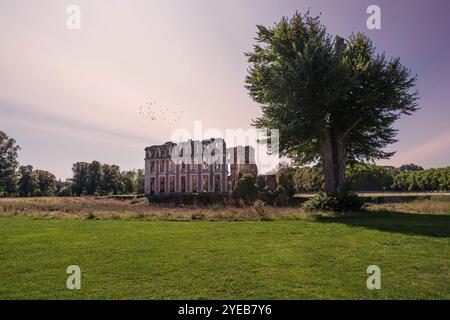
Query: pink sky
(69, 96)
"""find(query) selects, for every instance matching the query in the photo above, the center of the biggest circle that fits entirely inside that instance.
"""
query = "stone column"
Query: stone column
(188, 178)
(157, 177)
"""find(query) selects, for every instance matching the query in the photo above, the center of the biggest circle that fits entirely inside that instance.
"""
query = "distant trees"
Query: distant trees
(334, 100)
(370, 177)
(92, 178)
(285, 178)
(410, 167)
(133, 181)
(423, 180)
(35, 182)
(26, 181)
(80, 178)
(112, 180)
(139, 181)
(307, 179)
(45, 182)
(96, 178)
(8, 165)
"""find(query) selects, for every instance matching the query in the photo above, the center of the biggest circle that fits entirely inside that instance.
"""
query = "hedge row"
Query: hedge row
(224, 198)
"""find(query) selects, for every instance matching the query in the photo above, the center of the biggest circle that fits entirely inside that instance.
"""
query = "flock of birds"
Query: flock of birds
(151, 112)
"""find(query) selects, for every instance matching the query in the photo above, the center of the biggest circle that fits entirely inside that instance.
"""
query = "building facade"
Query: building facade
(194, 166)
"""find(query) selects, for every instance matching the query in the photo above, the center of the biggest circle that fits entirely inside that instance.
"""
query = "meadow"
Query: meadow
(130, 249)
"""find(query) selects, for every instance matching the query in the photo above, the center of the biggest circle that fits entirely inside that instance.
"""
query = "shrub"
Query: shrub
(281, 197)
(65, 192)
(267, 196)
(189, 199)
(337, 202)
(246, 189)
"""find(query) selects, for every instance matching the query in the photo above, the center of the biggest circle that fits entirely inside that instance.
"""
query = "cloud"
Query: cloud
(426, 151)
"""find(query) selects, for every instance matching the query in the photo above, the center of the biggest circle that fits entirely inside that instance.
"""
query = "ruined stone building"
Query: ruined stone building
(196, 166)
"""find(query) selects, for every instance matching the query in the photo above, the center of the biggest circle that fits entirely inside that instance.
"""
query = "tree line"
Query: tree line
(92, 178)
(365, 177)
(95, 178)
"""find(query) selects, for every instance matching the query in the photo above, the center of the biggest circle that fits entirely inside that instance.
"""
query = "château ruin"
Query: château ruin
(196, 166)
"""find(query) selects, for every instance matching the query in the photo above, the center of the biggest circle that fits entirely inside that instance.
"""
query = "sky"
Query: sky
(82, 95)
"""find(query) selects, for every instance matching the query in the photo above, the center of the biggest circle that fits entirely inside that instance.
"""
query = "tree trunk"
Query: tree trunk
(333, 158)
(340, 161)
(326, 155)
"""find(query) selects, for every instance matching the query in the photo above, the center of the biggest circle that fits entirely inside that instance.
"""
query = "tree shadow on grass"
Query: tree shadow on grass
(433, 225)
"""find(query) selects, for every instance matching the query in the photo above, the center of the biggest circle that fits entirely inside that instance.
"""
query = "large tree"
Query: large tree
(45, 183)
(80, 178)
(8, 164)
(94, 177)
(27, 183)
(334, 100)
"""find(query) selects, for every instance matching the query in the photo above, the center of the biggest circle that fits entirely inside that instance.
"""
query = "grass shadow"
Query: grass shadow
(433, 225)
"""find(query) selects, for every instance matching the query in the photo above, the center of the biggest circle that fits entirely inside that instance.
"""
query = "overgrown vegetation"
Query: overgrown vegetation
(333, 99)
(340, 201)
(367, 177)
(92, 178)
(142, 209)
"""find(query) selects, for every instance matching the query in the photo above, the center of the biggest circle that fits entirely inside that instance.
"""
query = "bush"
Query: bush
(267, 196)
(246, 189)
(190, 199)
(281, 197)
(336, 202)
(65, 192)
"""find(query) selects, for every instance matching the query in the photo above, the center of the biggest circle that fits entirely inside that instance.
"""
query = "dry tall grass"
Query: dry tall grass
(102, 208)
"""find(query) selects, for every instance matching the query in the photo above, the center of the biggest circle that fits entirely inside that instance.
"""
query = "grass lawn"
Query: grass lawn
(306, 258)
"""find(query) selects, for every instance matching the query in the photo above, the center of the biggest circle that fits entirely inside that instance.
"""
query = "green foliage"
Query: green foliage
(332, 99)
(80, 178)
(139, 182)
(246, 189)
(335, 202)
(369, 177)
(112, 180)
(261, 182)
(423, 180)
(128, 179)
(267, 196)
(285, 178)
(8, 165)
(410, 167)
(65, 191)
(307, 179)
(198, 199)
(281, 197)
(94, 177)
(45, 183)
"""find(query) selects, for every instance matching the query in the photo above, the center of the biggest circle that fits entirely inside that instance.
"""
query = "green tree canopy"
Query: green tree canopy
(334, 100)
(8, 164)
(45, 182)
(26, 181)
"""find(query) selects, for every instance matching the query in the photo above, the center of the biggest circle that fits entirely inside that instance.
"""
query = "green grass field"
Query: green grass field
(305, 258)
